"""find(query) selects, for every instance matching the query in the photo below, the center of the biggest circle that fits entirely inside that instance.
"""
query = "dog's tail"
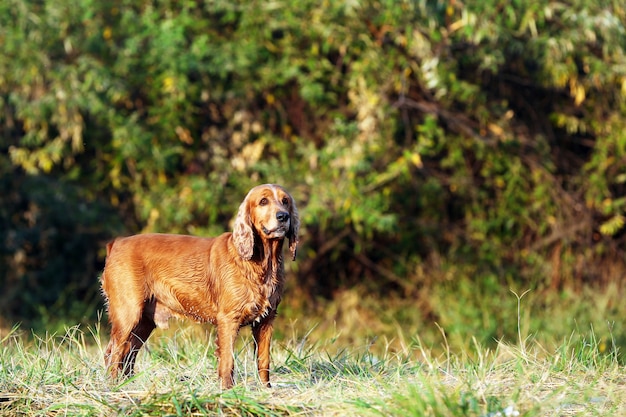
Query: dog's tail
(109, 247)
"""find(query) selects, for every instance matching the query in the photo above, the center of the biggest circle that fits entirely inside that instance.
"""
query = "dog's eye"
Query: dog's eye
(285, 201)
(263, 201)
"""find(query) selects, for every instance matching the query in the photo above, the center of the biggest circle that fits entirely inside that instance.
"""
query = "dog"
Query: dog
(233, 280)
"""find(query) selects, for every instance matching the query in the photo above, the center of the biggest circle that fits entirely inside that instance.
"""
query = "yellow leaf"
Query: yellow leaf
(169, 84)
(577, 91)
(152, 218)
(580, 95)
(416, 159)
(184, 135)
(613, 225)
(45, 162)
(107, 33)
(495, 129)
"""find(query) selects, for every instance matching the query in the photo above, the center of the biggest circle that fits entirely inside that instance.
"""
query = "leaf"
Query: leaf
(613, 225)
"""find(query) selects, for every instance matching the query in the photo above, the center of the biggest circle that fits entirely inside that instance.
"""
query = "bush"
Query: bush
(414, 135)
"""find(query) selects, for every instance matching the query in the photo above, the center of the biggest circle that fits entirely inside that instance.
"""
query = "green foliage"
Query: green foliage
(415, 135)
(52, 235)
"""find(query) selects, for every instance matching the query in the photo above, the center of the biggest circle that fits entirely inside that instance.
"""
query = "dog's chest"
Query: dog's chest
(262, 302)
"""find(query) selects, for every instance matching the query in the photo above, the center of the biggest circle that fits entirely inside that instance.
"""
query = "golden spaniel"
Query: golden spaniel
(233, 280)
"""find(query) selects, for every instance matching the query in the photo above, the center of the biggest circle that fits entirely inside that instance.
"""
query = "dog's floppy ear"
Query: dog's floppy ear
(294, 228)
(243, 236)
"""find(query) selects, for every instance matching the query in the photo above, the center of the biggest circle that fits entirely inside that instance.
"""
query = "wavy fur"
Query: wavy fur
(232, 280)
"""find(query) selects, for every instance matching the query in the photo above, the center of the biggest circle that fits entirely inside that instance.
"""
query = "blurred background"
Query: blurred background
(446, 156)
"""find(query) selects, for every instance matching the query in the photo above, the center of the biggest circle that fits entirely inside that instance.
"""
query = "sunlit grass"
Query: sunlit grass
(353, 356)
(460, 314)
(64, 375)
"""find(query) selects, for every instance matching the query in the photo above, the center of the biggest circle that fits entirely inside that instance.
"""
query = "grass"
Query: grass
(513, 354)
(63, 375)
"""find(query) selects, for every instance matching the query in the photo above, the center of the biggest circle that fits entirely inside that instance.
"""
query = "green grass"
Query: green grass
(64, 375)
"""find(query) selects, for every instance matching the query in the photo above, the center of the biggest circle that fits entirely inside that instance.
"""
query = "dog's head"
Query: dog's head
(270, 212)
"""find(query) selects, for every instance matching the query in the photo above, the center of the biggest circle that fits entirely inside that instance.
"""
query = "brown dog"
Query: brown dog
(233, 280)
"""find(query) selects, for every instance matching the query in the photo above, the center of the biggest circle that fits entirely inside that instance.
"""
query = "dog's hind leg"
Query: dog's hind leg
(138, 337)
(131, 326)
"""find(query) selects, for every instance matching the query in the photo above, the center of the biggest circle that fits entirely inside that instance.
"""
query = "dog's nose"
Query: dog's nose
(282, 216)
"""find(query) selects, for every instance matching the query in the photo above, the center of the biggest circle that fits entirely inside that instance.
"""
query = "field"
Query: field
(316, 373)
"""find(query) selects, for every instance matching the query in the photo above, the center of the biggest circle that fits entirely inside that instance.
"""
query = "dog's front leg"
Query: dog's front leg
(226, 332)
(262, 333)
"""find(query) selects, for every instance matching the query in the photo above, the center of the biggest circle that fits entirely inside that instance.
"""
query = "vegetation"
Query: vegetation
(63, 375)
(446, 157)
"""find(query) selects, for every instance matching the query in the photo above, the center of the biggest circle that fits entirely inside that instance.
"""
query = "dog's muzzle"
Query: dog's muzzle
(281, 229)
